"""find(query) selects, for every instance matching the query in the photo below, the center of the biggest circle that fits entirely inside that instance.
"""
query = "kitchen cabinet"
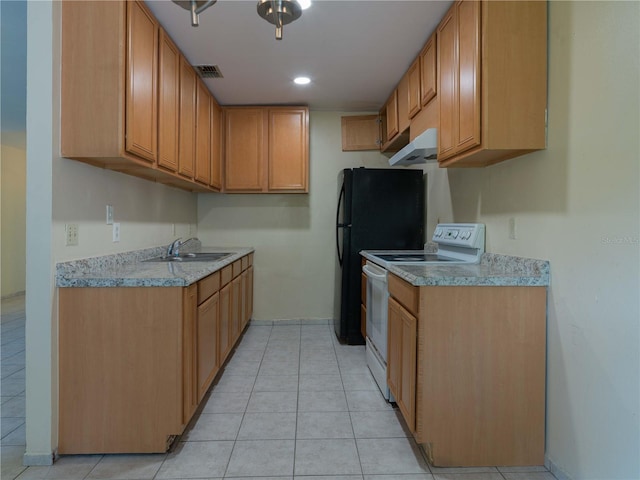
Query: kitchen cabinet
(141, 127)
(168, 103)
(187, 141)
(395, 118)
(479, 370)
(401, 348)
(208, 332)
(135, 362)
(491, 81)
(360, 132)
(266, 149)
(119, 81)
(216, 146)
(428, 71)
(203, 134)
(190, 396)
(414, 98)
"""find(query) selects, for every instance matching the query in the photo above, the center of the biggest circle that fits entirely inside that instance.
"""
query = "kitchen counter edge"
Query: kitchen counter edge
(129, 269)
(493, 270)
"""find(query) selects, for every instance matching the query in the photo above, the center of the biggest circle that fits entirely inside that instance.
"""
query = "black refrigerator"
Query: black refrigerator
(378, 209)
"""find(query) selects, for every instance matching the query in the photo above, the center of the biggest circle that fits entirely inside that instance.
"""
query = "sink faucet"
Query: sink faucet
(173, 250)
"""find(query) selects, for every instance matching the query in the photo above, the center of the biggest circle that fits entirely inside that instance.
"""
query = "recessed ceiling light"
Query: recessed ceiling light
(304, 4)
(302, 80)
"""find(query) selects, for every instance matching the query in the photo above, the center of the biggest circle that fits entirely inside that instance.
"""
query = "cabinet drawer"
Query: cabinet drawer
(208, 286)
(226, 275)
(237, 268)
(245, 263)
(405, 293)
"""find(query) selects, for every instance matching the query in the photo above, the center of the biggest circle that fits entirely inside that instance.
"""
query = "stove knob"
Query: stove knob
(454, 234)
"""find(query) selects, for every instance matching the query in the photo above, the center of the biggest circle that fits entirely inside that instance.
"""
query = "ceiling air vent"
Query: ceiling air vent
(208, 71)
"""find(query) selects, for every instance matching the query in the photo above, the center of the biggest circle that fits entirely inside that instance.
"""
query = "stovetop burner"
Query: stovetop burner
(415, 257)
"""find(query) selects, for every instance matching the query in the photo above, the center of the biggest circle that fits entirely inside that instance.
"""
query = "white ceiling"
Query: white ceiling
(355, 51)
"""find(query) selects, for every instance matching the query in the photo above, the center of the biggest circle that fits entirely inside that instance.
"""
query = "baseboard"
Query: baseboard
(556, 470)
(39, 460)
(286, 322)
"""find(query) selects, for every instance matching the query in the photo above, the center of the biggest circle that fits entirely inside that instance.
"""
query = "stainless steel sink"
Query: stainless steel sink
(192, 257)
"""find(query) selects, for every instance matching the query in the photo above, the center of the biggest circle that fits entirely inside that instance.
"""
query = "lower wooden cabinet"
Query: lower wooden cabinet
(401, 364)
(466, 365)
(135, 362)
(207, 343)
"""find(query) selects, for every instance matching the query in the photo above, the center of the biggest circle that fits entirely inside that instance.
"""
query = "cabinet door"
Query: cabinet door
(447, 84)
(187, 140)
(468, 115)
(360, 132)
(407, 401)
(141, 119)
(168, 103)
(225, 323)
(392, 115)
(216, 147)
(244, 290)
(394, 349)
(244, 149)
(414, 99)
(235, 310)
(428, 77)
(249, 293)
(203, 133)
(288, 149)
(189, 368)
(208, 319)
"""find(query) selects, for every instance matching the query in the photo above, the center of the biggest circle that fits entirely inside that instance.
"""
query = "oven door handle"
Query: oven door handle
(370, 273)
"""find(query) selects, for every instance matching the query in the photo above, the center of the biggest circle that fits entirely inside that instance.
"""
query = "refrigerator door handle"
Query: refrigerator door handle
(339, 225)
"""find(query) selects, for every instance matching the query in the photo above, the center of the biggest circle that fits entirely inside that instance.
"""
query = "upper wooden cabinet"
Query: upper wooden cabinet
(360, 132)
(428, 70)
(244, 149)
(492, 81)
(391, 110)
(141, 122)
(414, 100)
(168, 103)
(288, 149)
(216, 146)
(126, 94)
(188, 83)
(266, 149)
(203, 134)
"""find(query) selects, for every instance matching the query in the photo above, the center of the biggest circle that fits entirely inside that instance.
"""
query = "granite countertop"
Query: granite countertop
(130, 270)
(493, 270)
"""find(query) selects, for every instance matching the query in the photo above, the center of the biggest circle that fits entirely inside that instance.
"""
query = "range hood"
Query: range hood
(422, 150)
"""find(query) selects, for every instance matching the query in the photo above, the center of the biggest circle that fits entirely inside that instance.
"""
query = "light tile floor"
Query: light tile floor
(292, 403)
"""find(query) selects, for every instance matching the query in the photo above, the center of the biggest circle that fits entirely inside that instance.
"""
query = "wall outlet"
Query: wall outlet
(109, 214)
(173, 229)
(72, 232)
(513, 231)
(116, 232)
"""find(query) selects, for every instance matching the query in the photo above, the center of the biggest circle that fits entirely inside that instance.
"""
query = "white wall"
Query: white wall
(577, 204)
(63, 191)
(13, 158)
(294, 235)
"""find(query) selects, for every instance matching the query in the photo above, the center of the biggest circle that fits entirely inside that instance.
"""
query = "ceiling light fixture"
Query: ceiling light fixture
(195, 7)
(302, 80)
(279, 13)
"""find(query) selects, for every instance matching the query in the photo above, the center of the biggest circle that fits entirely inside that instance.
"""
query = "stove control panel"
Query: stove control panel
(468, 235)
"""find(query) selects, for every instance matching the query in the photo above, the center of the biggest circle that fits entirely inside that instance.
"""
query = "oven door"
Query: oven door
(377, 305)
